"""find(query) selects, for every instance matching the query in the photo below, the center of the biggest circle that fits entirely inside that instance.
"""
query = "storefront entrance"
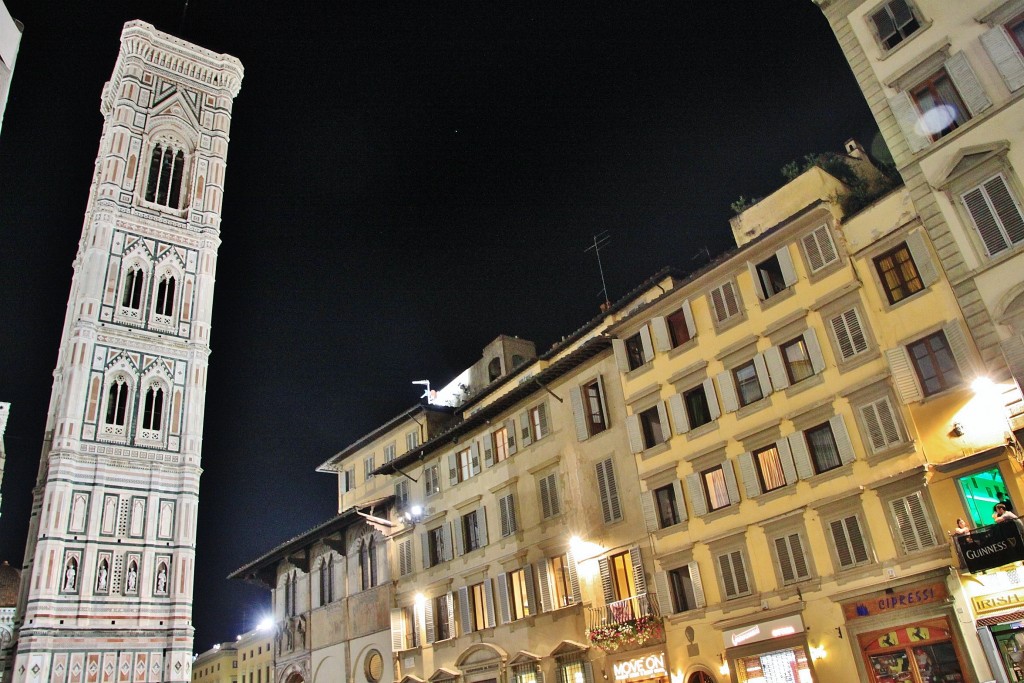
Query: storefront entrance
(918, 652)
(779, 666)
(1010, 645)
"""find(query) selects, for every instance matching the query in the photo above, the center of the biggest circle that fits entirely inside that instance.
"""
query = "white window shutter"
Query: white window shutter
(510, 433)
(786, 266)
(842, 437)
(578, 414)
(776, 368)
(727, 391)
(801, 456)
(666, 429)
(730, 482)
(428, 618)
(691, 328)
(544, 586)
(958, 344)
(662, 339)
(918, 248)
(525, 429)
(636, 443)
(446, 535)
(481, 519)
(621, 359)
(506, 613)
(903, 374)
(967, 84)
(696, 491)
(604, 405)
(489, 600)
(425, 546)
(648, 345)
(661, 587)
(542, 419)
(762, 374)
(457, 533)
(574, 579)
(712, 397)
(474, 458)
(880, 422)
(648, 504)
(680, 420)
(531, 589)
(786, 459)
(465, 616)
(755, 277)
(397, 630)
(453, 470)
(814, 350)
(450, 605)
(489, 451)
(905, 111)
(639, 577)
(677, 487)
(698, 585)
(1005, 54)
(749, 474)
(606, 581)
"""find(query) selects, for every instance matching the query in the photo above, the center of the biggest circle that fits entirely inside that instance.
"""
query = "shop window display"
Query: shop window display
(919, 652)
(781, 666)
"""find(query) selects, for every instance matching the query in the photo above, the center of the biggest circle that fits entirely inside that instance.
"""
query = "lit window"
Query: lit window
(797, 359)
(941, 108)
(519, 593)
(500, 440)
(561, 580)
(898, 274)
(981, 491)
(431, 480)
(769, 468)
(539, 421)
(716, 492)
(463, 465)
(478, 606)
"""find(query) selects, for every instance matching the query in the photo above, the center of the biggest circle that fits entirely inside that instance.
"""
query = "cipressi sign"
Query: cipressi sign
(641, 667)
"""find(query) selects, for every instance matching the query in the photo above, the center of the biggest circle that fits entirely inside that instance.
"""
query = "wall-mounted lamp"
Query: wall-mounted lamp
(817, 652)
(413, 515)
(957, 430)
(724, 668)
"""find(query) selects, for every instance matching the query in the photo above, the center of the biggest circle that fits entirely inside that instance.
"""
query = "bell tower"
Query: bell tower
(106, 594)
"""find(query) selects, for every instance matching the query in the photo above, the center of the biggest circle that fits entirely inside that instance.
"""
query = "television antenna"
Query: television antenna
(601, 240)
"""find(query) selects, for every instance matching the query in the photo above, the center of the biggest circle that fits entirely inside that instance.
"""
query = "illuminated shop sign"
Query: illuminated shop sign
(990, 546)
(641, 667)
(896, 600)
(766, 630)
(997, 602)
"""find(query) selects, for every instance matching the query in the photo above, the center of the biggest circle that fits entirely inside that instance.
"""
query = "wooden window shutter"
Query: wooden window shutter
(959, 346)
(621, 357)
(542, 418)
(606, 581)
(785, 559)
(903, 374)
(696, 491)
(647, 344)
(907, 116)
(453, 470)
(786, 266)
(749, 475)
(525, 429)
(544, 586)
(756, 278)
(510, 432)
(446, 536)
(698, 585)
(609, 491)
(728, 577)
(814, 350)
(801, 455)
(776, 368)
(918, 248)
(664, 593)
(425, 545)
(849, 333)
(730, 482)
(574, 579)
(880, 423)
(912, 522)
(842, 436)
(428, 618)
(458, 533)
(647, 504)
(481, 520)
(489, 450)
(1004, 53)
(449, 600)
(786, 460)
(639, 578)
(677, 488)
(489, 599)
(506, 613)
(397, 630)
(465, 615)
(727, 391)
(578, 413)
(531, 589)
(971, 91)
(712, 397)
(680, 419)
(691, 328)
(636, 443)
(662, 339)
(1013, 353)
(474, 458)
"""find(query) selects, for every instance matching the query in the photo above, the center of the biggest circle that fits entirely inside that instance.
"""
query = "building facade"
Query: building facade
(107, 582)
(256, 656)
(10, 41)
(219, 664)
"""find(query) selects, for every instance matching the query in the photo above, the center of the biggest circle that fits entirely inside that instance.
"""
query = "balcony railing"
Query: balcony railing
(991, 546)
(625, 624)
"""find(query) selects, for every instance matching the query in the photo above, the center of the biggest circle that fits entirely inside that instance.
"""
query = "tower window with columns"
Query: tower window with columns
(166, 167)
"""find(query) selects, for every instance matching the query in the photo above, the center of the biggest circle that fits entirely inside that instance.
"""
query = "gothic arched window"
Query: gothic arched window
(153, 409)
(133, 281)
(165, 295)
(368, 564)
(117, 402)
(166, 167)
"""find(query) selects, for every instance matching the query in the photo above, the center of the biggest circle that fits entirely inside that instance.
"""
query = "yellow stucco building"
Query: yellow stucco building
(219, 664)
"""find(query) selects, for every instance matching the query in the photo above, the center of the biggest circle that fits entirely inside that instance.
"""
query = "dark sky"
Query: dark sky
(406, 181)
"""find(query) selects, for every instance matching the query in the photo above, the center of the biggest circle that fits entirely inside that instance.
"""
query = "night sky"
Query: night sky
(406, 181)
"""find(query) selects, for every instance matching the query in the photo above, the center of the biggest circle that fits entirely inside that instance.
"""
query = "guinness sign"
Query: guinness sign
(990, 546)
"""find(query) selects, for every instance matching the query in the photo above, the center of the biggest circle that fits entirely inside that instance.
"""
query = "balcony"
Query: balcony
(992, 546)
(626, 624)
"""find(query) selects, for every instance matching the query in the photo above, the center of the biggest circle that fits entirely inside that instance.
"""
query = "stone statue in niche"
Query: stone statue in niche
(161, 579)
(101, 577)
(70, 575)
(133, 578)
